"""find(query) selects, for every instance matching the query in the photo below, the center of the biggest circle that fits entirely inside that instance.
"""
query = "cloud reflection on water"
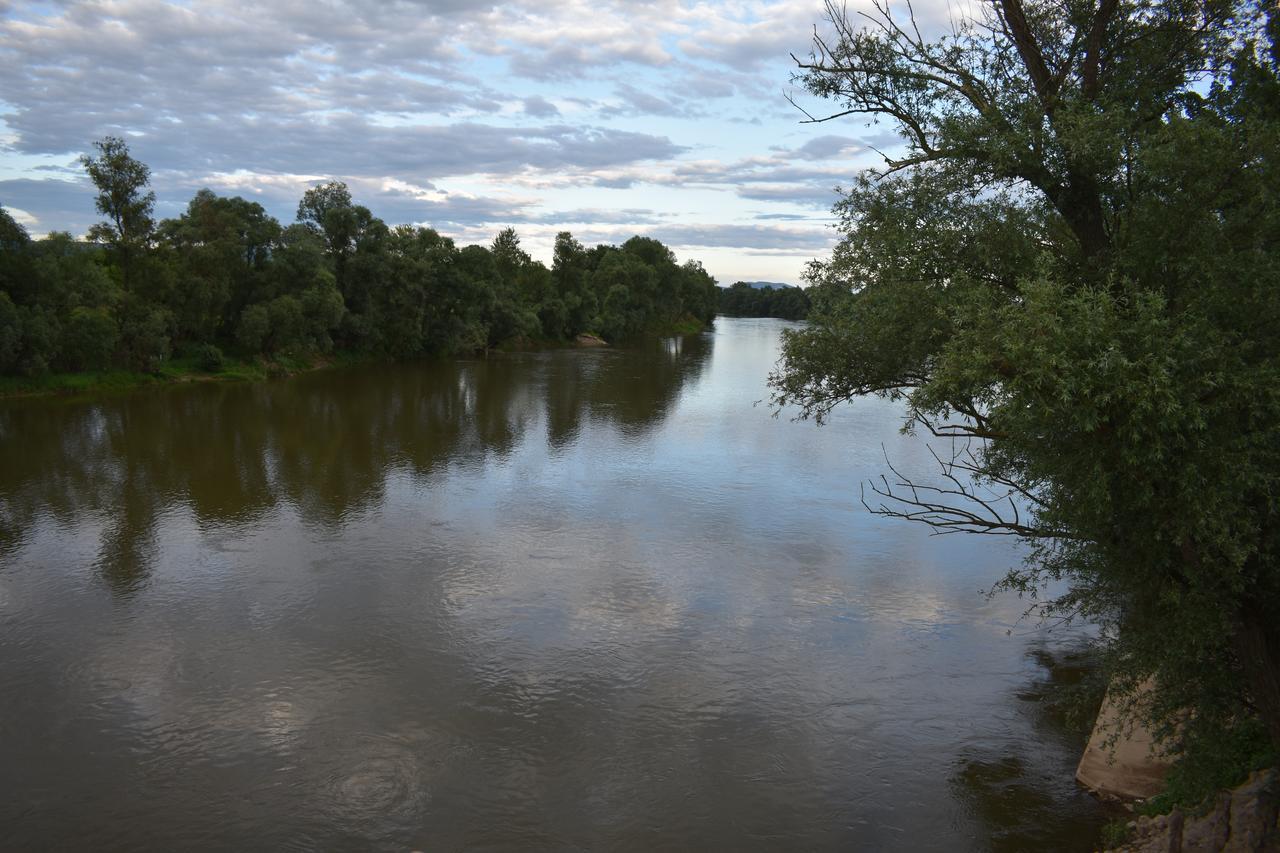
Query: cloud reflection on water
(548, 600)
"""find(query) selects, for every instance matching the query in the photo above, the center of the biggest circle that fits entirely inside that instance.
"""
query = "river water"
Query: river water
(562, 600)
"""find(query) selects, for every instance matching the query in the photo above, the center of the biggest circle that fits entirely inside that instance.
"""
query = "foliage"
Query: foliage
(209, 358)
(10, 334)
(1115, 833)
(123, 196)
(144, 333)
(1071, 275)
(89, 339)
(224, 276)
(1203, 773)
(743, 300)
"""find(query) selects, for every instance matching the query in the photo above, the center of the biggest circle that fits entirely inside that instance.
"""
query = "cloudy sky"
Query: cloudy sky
(662, 118)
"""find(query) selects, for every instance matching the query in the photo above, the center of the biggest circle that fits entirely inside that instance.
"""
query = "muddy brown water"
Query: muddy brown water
(567, 600)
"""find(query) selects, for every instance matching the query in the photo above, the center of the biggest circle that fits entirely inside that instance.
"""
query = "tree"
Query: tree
(699, 291)
(743, 300)
(1071, 274)
(224, 274)
(329, 211)
(123, 196)
(576, 304)
(222, 248)
(15, 254)
(507, 253)
(625, 286)
(13, 237)
(89, 339)
(511, 312)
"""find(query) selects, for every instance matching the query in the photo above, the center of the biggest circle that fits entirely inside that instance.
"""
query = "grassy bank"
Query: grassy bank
(685, 326)
(175, 370)
(189, 368)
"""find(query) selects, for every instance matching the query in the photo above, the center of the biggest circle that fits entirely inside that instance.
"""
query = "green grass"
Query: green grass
(186, 368)
(74, 383)
(687, 326)
(174, 370)
(106, 381)
(1115, 832)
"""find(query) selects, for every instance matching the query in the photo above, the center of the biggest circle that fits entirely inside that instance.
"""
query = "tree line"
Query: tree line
(743, 300)
(225, 276)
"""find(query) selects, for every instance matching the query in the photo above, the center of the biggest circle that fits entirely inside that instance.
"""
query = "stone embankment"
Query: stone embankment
(1243, 820)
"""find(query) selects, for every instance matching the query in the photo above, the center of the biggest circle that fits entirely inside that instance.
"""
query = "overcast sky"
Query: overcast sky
(661, 118)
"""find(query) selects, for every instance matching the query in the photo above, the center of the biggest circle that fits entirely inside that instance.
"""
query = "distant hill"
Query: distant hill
(765, 285)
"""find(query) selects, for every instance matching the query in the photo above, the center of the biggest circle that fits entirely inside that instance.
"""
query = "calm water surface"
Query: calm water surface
(561, 601)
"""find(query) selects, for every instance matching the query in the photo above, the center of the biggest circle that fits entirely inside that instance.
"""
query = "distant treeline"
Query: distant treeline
(226, 277)
(743, 300)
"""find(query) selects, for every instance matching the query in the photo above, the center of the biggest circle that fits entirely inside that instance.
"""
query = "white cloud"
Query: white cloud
(26, 220)
(441, 111)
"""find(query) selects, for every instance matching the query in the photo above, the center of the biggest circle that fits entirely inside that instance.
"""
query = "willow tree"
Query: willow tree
(1069, 269)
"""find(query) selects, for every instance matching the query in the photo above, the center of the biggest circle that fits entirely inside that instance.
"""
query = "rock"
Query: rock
(1244, 820)
(1174, 829)
(1253, 814)
(1153, 835)
(1209, 832)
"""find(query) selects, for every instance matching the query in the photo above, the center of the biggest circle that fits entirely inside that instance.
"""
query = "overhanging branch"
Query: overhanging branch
(957, 506)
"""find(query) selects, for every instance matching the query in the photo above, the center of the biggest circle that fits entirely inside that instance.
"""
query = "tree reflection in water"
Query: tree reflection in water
(323, 443)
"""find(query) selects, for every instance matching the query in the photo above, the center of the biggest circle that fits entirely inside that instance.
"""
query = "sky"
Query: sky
(668, 119)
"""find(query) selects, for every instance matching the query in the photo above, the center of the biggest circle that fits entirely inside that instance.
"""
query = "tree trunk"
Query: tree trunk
(1257, 643)
(1080, 204)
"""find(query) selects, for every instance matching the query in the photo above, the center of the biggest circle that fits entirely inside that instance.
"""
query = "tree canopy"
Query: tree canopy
(225, 275)
(123, 194)
(1071, 275)
(743, 300)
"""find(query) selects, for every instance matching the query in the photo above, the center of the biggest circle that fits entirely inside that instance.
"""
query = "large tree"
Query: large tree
(123, 196)
(329, 211)
(1069, 269)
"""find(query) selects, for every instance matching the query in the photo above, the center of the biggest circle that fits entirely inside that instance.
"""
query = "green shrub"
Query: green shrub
(89, 339)
(1115, 832)
(209, 358)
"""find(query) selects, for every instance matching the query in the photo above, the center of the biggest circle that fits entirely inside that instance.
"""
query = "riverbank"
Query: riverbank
(1245, 818)
(177, 370)
(190, 369)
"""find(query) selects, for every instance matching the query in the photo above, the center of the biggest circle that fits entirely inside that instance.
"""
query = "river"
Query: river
(575, 599)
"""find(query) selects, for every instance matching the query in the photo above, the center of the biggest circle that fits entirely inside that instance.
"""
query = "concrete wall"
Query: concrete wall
(1134, 770)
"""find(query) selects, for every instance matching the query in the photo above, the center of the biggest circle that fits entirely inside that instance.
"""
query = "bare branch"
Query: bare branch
(955, 506)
